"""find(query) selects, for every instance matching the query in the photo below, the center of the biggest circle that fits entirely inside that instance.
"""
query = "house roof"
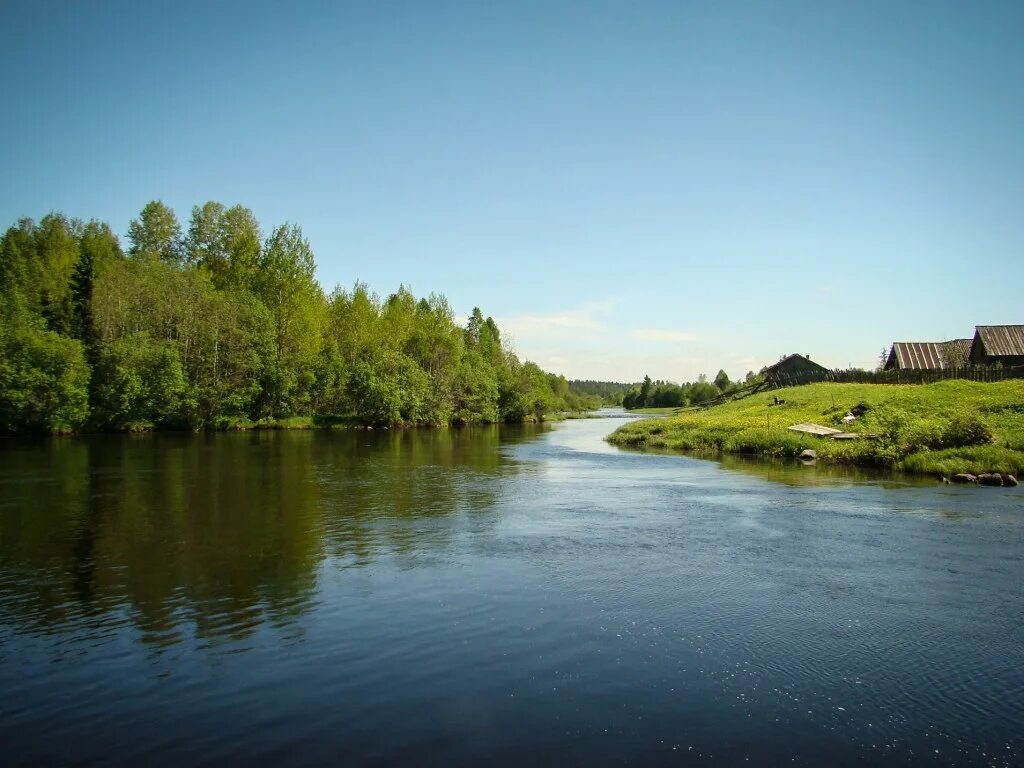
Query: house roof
(930, 355)
(788, 358)
(1002, 340)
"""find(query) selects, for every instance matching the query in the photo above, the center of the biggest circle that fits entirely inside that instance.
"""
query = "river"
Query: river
(496, 596)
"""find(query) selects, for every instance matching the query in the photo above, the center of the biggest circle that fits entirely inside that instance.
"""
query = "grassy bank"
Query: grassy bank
(938, 429)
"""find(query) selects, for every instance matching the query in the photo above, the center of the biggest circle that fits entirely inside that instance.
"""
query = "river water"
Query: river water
(499, 596)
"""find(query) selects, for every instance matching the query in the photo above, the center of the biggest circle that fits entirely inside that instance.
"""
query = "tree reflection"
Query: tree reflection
(212, 536)
(797, 474)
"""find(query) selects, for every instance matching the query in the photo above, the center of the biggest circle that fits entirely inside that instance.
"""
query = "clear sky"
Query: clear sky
(628, 188)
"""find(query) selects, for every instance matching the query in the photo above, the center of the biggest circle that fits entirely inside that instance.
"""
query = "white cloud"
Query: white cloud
(581, 323)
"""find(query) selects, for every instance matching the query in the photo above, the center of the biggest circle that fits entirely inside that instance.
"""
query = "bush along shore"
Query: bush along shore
(947, 429)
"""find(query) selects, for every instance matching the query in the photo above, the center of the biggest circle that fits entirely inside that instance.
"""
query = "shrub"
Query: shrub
(974, 459)
(142, 385)
(44, 381)
(964, 429)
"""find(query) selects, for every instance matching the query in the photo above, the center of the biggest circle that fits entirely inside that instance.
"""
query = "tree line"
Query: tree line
(610, 392)
(220, 324)
(666, 394)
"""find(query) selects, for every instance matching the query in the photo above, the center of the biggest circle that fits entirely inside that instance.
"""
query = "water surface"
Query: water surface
(496, 595)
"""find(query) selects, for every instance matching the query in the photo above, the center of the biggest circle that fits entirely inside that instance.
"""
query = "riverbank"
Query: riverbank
(243, 424)
(936, 429)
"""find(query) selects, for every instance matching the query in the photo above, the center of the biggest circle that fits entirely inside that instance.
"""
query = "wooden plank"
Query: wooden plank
(815, 429)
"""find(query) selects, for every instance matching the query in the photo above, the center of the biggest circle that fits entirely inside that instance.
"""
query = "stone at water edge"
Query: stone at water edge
(963, 477)
(809, 454)
(990, 478)
(1009, 480)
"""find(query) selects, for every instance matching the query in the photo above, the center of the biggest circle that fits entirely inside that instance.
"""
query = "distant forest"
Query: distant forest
(659, 394)
(221, 325)
(610, 392)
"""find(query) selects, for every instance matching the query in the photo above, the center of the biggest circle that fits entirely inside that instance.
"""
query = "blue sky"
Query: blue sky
(663, 188)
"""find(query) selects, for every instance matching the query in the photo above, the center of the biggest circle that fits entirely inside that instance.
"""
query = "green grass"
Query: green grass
(242, 423)
(936, 429)
(668, 411)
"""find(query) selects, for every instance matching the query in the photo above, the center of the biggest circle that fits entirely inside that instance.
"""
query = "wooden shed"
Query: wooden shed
(928, 355)
(998, 345)
(794, 369)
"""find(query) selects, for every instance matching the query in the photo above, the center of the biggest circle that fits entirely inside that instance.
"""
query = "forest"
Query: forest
(219, 325)
(610, 392)
(660, 394)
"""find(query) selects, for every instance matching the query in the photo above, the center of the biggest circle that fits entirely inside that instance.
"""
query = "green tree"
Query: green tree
(226, 341)
(243, 343)
(141, 385)
(53, 262)
(645, 393)
(474, 326)
(16, 255)
(204, 244)
(353, 322)
(44, 378)
(476, 398)
(226, 242)
(702, 392)
(287, 287)
(98, 245)
(156, 234)
(242, 241)
(388, 388)
(437, 346)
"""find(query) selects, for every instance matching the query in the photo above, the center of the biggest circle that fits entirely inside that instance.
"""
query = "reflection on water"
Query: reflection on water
(500, 596)
(799, 474)
(796, 473)
(217, 534)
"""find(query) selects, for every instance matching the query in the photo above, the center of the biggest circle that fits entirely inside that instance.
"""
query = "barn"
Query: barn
(794, 369)
(998, 345)
(928, 355)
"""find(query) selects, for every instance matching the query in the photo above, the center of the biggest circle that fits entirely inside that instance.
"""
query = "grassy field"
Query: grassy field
(938, 429)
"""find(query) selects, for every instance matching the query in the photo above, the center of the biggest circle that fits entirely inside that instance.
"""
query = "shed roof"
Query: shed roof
(793, 358)
(1002, 340)
(920, 355)
(930, 355)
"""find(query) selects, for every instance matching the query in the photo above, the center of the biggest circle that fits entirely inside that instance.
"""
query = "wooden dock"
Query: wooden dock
(816, 430)
(832, 434)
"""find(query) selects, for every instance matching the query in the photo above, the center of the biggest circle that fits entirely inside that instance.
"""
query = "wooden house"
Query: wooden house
(998, 345)
(794, 369)
(928, 355)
